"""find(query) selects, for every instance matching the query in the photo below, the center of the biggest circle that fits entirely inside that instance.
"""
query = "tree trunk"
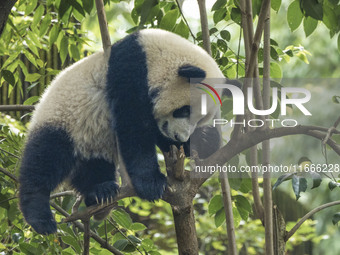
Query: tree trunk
(185, 230)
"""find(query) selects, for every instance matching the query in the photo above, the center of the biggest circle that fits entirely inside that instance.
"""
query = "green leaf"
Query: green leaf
(88, 5)
(31, 100)
(335, 99)
(122, 218)
(63, 8)
(299, 185)
(219, 218)
(77, 6)
(243, 202)
(246, 185)
(294, 15)
(243, 206)
(312, 8)
(34, 39)
(273, 53)
(273, 42)
(74, 52)
(236, 16)
(332, 185)
(213, 31)
(45, 23)
(32, 47)
(275, 70)
(219, 15)
(27, 248)
(256, 6)
(54, 34)
(182, 29)
(146, 9)
(137, 226)
(168, 22)
(275, 4)
(237, 217)
(309, 25)
(30, 7)
(121, 244)
(63, 49)
(134, 239)
(8, 76)
(30, 57)
(218, 5)
(223, 61)
(37, 16)
(339, 43)
(282, 178)
(215, 204)
(31, 77)
(316, 179)
(225, 34)
(260, 55)
(336, 218)
(222, 45)
(70, 240)
(330, 18)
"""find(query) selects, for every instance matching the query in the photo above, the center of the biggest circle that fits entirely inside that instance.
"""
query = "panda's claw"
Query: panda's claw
(102, 194)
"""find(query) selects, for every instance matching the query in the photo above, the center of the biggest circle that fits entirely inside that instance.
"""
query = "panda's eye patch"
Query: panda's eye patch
(183, 112)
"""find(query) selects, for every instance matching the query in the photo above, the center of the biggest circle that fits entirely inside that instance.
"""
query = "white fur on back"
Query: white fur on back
(165, 53)
(76, 101)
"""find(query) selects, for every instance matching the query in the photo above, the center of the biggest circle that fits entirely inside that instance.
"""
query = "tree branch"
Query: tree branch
(331, 130)
(18, 107)
(103, 26)
(307, 216)
(10, 175)
(257, 37)
(228, 210)
(267, 186)
(79, 225)
(204, 26)
(126, 191)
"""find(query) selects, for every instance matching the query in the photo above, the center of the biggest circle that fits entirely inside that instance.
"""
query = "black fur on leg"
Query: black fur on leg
(47, 160)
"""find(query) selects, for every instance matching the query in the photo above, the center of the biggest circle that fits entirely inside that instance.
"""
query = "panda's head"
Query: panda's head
(172, 62)
(179, 123)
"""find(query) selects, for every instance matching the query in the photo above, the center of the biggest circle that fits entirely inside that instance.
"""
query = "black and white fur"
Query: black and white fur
(141, 94)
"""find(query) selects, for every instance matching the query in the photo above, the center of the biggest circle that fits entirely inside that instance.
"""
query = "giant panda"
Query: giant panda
(140, 92)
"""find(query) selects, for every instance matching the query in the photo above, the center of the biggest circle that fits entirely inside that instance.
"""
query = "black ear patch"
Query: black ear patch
(189, 71)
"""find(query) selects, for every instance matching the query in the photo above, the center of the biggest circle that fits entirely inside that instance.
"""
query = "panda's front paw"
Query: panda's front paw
(102, 193)
(150, 187)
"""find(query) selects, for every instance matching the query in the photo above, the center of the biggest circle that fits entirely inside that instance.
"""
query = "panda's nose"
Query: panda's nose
(181, 138)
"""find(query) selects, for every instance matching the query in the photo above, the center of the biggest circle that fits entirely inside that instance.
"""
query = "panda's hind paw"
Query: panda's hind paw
(43, 226)
(102, 193)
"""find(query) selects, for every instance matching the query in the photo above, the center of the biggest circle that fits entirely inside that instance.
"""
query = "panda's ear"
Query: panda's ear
(190, 71)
